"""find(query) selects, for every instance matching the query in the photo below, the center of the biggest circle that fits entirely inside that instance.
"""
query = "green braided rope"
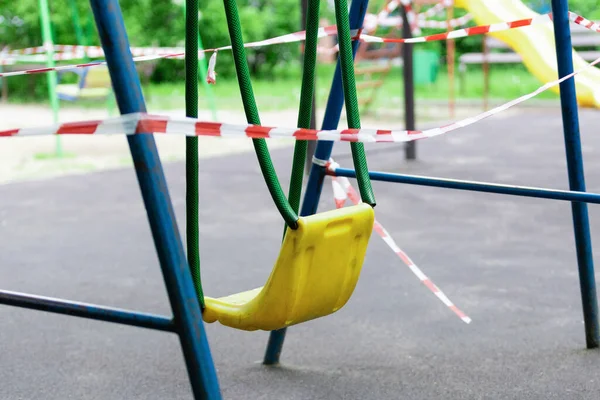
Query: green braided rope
(350, 97)
(297, 175)
(191, 146)
(310, 64)
(306, 101)
(260, 146)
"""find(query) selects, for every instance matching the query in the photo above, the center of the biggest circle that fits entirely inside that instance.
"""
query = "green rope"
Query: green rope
(207, 87)
(191, 146)
(350, 97)
(202, 76)
(260, 145)
(306, 101)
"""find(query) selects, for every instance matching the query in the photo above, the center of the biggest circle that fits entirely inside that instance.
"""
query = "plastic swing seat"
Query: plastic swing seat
(94, 82)
(315, 274)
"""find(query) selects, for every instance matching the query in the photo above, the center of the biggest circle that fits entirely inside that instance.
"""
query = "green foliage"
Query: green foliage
(158, 23)
(587, 8)
(162, 23)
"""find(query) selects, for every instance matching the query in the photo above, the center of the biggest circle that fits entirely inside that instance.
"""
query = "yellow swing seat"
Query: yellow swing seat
(315, 274)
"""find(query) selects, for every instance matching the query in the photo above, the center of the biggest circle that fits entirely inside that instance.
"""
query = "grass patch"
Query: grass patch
(283, 93)
(506, 83)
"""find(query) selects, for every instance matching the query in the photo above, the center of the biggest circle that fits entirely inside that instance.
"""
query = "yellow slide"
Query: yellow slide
(535, 44)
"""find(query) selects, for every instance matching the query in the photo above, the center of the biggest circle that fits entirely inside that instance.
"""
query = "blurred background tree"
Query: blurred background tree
(162, 23)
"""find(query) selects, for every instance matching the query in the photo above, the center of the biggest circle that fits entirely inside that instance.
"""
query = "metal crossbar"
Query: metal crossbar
(87, 310)
(474, 186)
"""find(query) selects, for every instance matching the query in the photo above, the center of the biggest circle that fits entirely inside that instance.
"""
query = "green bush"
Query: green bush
(162, 23)
(158, 23)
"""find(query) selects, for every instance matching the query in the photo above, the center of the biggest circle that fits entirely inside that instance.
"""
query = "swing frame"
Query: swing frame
(186, 321)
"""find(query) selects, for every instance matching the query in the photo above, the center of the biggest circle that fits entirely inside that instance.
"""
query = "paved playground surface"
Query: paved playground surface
(508, 262)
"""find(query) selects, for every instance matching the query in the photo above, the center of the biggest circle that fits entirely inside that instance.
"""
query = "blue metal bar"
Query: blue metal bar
(86, 310)
(151, 178)
(581, 225)
(314, 186)
(410, 148)
(523, 191)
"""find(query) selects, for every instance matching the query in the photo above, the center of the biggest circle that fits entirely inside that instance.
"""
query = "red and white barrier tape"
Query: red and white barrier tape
(331, 30)
(586, 23)
(453, 23)
(372, 21)
(131, 124)
(28, 50)
(433, 11)
(460, 33)
(8, 61)
(342, 191)
(38, 58)
(72, 52)
(411, 16)
(397, 22)
(390, 7)
(95, 50)
(484, 29)
(288, 38)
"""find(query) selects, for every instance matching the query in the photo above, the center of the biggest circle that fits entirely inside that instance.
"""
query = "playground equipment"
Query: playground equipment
(315, 273)
(535, 45)
(374, 75)
(581, 38)
(240, 311)
(93, 82)
(395, 17)
(390, 15)
(318, 267)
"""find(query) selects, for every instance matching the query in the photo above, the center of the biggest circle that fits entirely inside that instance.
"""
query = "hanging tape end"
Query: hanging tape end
(211, 74)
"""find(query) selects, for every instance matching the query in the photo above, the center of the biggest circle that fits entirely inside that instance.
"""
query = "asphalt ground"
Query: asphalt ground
(508, 262)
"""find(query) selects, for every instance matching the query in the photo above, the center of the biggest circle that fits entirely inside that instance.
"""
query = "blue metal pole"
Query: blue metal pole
(86, 310)
(583, 241)
(151, 178)
(314, 186)
(484, 187)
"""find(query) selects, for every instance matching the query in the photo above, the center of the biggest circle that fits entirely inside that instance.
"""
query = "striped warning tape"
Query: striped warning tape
(73, 52)
(136, 123)
(397, 22)
(288, 38)
(433, 11)
(460, 33)
(389, 8)
(342, 191)
(93, 50)
(332, 30)
(579, 20)
(453, 23)
(28, 50)
(436, 10)
(411, 16)
(371, 21)
(41, 58)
